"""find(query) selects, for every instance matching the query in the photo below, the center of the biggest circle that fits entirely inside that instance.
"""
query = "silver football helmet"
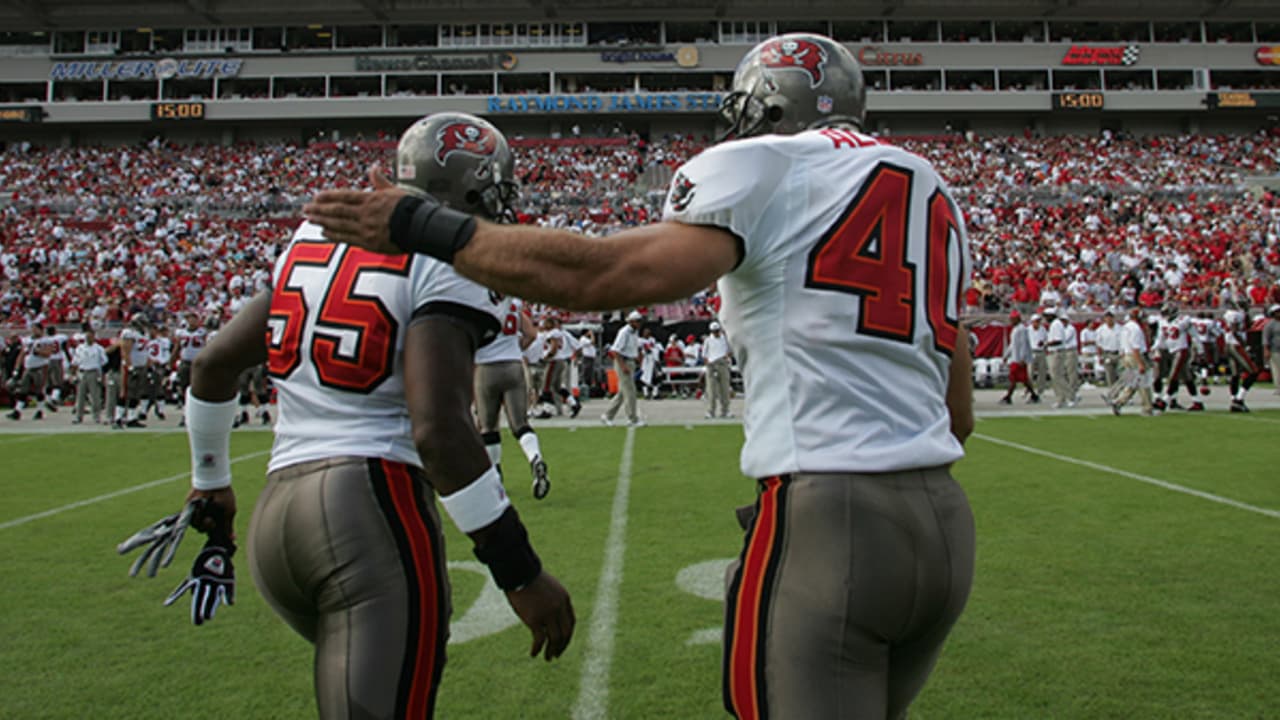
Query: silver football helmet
(791, 83)
(462, 160)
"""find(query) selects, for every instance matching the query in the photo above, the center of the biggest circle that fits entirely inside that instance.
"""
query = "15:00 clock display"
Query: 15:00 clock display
(1086, 100)
(177, 110)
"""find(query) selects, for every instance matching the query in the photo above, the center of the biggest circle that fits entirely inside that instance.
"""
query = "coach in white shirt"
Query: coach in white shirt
(625, 351)
(1108, 338)
(90, 358)
(715, 350)
(1138, 370)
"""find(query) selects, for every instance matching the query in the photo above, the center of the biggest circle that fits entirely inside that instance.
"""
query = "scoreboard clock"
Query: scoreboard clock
(1082, 100)
(177, 110)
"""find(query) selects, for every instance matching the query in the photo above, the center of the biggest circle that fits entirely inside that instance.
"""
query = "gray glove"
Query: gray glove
(161, 538)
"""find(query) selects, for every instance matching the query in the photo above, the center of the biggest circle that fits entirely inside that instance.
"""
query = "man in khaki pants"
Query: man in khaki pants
(1138, 371)
(90, 359)
(716, 351)
(625, 349)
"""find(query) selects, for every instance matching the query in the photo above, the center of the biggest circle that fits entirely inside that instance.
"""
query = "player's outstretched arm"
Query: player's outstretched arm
(438, 357)
(960, 388)
(663, 262)
(656, 263)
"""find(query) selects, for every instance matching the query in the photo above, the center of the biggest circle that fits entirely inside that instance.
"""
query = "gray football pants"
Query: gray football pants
(348, 551)
(501, 385)
(845, 590)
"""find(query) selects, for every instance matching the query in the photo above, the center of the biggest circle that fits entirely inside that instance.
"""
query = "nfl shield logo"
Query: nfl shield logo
(825, 104)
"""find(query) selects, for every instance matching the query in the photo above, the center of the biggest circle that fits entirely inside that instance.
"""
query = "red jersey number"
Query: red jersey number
(342, 310)
(866, 254)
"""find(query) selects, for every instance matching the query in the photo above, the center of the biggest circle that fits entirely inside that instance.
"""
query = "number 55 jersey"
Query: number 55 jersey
(335, 340)
(844, 309)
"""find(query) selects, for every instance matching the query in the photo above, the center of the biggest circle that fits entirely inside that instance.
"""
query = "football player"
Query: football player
(842, 262)
(191, 338)
(137, 379)
(160, 352)
(372, 356)
(1244, 371)
(1173, 335)
(31, 372)
(56, 373)
(500, 386)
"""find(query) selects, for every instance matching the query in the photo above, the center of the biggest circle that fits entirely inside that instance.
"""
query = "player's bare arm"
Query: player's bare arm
(215, 376)
(438, 368)
(960, 389)
(657, 263)
(663, 262)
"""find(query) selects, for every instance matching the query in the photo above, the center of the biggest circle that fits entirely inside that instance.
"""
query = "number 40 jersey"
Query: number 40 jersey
(335, 341)
(844, 309)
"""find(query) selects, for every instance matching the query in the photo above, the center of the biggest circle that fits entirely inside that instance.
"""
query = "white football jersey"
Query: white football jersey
(36, 349)
(843, 312)
(1233, 327)
(190, 343)
(505, 347)
(336, 335)
(138, 350)
(567, 344)
(1173, 333)
(159, 350)
(59, 348)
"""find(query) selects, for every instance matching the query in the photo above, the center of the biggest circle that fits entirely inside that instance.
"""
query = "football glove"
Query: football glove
(161, 538)
(212, 581)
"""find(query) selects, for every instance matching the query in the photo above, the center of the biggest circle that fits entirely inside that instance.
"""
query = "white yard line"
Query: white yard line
(593, 692)
(1133, 476)
(21, 439)
(117, 493)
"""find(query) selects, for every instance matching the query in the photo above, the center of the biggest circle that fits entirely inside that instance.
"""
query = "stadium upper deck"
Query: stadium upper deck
(208, 67)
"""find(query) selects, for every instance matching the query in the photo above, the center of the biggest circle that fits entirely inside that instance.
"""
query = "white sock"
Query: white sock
(529, 444)
(56, 395)
(495, 453)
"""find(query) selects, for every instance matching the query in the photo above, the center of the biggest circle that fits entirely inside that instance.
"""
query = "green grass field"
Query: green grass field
(1100, 593)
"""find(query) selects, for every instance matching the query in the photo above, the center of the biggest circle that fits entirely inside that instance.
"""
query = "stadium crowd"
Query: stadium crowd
(103, 233)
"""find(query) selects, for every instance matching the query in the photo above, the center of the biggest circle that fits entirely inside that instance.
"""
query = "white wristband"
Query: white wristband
(479, 503)
(209, 432)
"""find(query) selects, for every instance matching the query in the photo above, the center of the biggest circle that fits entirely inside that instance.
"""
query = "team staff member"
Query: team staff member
(1055, 346)
(1018, 354)
(1038, 335)
(858, 377)
(1108, 338)
(90, 358)
(345, 542)
(625, 352)
(719, 389)
(1138, 370)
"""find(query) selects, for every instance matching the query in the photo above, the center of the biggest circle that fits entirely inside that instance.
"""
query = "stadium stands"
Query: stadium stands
(103, 232)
